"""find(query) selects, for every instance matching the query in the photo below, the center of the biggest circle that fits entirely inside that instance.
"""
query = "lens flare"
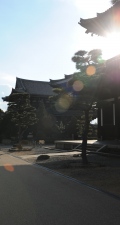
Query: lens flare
(63, 103)
(91, 70)
(78, 85)
(116, 18)
(9, 167)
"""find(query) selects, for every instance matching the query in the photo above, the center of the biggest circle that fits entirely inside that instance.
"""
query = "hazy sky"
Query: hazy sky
(38, 38)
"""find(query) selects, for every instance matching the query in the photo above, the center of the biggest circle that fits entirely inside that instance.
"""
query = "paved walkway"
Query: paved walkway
(31, 195)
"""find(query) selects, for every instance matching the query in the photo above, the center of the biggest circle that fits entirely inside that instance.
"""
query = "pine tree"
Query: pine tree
(21, 112)
(87, 80)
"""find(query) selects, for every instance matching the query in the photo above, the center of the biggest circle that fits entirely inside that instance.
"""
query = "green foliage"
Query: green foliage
(92, 130)
(71, 128)
(57, 90)
(61, 127)
(2, 114)
(46, 128)
(21, 112)
(84, 58)
(85, 99)
(7, 127)
(90, 65)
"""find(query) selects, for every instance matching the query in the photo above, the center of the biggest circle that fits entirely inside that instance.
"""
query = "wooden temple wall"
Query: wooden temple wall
(109, 120)
(109, 112)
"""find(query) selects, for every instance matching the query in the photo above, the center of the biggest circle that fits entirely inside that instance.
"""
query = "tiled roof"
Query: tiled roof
(55, 83)
(68, 76)
(63, 79)
(34, 87)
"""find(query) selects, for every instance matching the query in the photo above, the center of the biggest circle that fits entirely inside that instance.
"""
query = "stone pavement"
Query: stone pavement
(31, 195)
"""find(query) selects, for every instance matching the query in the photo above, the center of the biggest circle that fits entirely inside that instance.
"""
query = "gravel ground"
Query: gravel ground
(101, 172)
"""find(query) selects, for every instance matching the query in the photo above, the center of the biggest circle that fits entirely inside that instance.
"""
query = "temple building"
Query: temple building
(108, 99)
(109, 88)
(108, 95)
(109, 102)
(38, 90)
(42, 91)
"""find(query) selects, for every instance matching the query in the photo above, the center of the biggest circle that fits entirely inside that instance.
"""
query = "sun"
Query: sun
(110, 45)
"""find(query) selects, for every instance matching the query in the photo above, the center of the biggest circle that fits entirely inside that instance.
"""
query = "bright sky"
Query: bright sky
(38, 38)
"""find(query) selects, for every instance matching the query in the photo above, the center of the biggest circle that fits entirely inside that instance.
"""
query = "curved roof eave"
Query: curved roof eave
(105, 22)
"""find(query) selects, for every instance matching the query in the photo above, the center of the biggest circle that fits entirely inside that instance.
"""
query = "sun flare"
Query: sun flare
(110, 45)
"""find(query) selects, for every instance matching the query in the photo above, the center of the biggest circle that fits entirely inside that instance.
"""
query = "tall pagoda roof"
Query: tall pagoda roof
(33, 87)
(103, 23)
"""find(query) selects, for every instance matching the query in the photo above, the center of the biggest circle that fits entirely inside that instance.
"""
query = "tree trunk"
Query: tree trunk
(84, 139)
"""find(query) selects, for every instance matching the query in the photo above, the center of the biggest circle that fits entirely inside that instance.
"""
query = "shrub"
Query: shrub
(42, 157)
